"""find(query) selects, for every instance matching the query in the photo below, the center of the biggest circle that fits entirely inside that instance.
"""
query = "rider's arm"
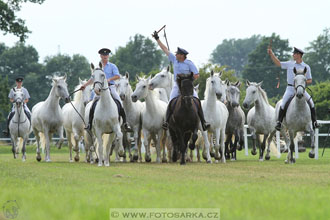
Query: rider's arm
(275, 60)
(26, 100)
(196, 76)
(114, 78)
(163, 47)
(86, 84)
(11, 100)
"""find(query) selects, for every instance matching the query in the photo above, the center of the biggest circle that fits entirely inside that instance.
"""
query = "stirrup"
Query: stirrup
(205, 126)
(278, 126)
(315, 124)
(88, 127)
(165, 126)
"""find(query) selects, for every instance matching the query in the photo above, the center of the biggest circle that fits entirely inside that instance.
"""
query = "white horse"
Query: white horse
(133, 113)
(106, 119)
(47, 116)
(20, 126)
(260, 118)
(298, 115)
(72, 121)
(153, 116)
(215, 113)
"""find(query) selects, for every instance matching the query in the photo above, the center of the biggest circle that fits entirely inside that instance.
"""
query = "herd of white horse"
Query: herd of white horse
(221, 109)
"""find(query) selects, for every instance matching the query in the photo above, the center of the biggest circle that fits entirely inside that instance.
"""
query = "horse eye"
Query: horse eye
(126, 84)
(163, 76)
(212, 81)
(254, 92)
(144, 87)
(59, 87)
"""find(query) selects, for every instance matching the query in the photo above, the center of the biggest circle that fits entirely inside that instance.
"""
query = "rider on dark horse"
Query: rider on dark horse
(181, 65)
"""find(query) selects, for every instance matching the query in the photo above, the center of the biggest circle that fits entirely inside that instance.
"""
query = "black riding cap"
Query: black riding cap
(181, 51)
(19, 79)
(297, 50)
(104, 51)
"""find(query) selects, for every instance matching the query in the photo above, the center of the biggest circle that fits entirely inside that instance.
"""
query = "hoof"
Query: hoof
(209, 161)
(76, 158)
(107, 164)
(217, 157)
(164, 160)
(135, 158)
(267, 157)
(286, 161)
(253, 152)
(240, 148)
(204, 157)
(261, 159)
(227, 157)
(99, 164)
(38, 158)
(91, 162)
(88, 160)
(233, 159)
(148, 160)
(71, 161)
(293, 160)
(212, 154)
(97, 160)
(311, 155)
(48, 161)
(192, 146)
(183, 163)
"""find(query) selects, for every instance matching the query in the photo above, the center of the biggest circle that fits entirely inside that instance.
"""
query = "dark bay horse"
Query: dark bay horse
(184, 121)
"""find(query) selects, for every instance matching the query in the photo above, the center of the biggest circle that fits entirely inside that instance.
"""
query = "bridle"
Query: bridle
(100, 83)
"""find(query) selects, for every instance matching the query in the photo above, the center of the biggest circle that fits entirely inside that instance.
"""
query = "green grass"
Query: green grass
(244, 189)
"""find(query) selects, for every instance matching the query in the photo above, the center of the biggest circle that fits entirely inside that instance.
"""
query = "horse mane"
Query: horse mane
(77, 95)
(262, 92)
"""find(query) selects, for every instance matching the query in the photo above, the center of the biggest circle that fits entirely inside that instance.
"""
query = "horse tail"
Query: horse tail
(272, 146)
(20, 143)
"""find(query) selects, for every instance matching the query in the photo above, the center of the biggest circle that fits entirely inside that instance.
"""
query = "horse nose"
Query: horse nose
(218, 94)
(134, 98)
(235, 104)
(151, 86)
(245, 105)
(67, 99)
(122, 97)
(299, 95)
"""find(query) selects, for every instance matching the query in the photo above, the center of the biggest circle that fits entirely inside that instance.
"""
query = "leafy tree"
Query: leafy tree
(9, 23)
(74, 67)
(261, 68)
(4, 101)
(318, 56)
(139, 55)
(234, 52)
(321, 97)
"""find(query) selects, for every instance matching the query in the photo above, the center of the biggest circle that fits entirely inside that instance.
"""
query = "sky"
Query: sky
(84, 26)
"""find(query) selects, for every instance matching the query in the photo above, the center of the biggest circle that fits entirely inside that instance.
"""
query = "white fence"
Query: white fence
(317, 135)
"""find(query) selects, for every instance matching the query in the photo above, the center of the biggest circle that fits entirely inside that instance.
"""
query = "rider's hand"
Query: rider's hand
(83, 87)
(269, 50)
(155, 35)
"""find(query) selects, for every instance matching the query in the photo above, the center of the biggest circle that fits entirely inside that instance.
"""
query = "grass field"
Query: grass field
(244, 189)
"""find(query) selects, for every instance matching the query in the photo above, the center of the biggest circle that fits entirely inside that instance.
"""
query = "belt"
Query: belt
(290, 85)
(110, 84)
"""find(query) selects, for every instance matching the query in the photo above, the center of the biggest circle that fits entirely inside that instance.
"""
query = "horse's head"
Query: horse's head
(123, 86)
(162, 79)
(141, 90)
(252, 92)
(86, 93)
(100, 80)
(18, 97)
(213, 84)
(233, 93)
(61, 88)
(300, 81)
(181, 77)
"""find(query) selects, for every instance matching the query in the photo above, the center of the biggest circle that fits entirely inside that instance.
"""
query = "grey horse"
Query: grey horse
(236, 120)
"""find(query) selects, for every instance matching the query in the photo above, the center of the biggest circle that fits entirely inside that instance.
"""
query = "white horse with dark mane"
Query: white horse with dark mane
(72, 121)
(216, 114)
(153, 116)
(298, 115)
(20, 126)
(133, 113)
(47, 116)
(260, 118)
(106, 118)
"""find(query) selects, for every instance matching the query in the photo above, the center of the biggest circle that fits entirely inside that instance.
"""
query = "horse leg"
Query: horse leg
(107, 149)
(98, 135)
(139, 146)
(136, 143)
(163, 145)
(206, 151)
(233, 155)
(119, 140)
(60, 133)
(157, 141)
(211, 141)
(262, 148)
(68, 137)
(241, 139)
(270, 138)
(217, 144)
(222, 144)
(13, 142)
(36, 134)
(312, 134)
(146, 141)
(254, 138)
(227, 142)
(290, 158)
(174, 140)
(48, 136)
(184, 138)
(24, 148)
(76, 147)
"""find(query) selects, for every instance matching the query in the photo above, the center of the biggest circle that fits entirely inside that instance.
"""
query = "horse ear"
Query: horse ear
(305, 70)
(54, 80)
(168, 68)
(238, 84)
(259, 84)
(64, 77)
(149, 77)
(92, 66)
(227, 82)
(80, 81)
(100, 65)
(295, 70)
(247, 82)
(138, 78)
(127, 75)
(212, 73)
(220, 74)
